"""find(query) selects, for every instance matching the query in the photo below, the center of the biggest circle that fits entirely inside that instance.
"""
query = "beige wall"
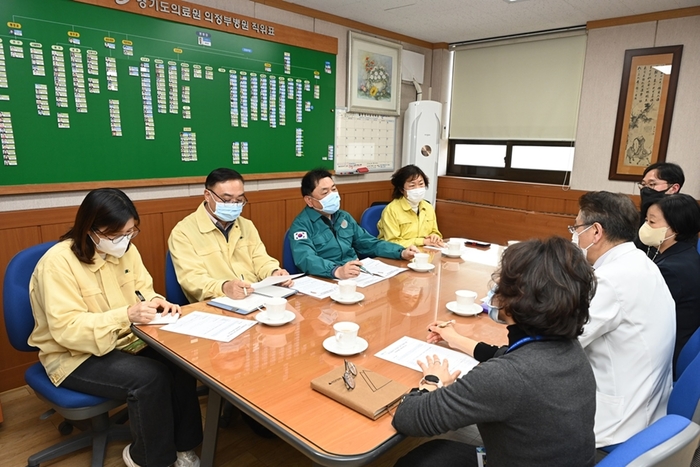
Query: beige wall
(600, 93)
(267, 13)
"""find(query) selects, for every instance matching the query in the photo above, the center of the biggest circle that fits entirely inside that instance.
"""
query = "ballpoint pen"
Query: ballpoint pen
(446, 323)
(245, 291)
(362, 268)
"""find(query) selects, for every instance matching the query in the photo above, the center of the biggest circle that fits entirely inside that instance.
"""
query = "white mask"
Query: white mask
(117, 249)
(415, 195)
(574, 240)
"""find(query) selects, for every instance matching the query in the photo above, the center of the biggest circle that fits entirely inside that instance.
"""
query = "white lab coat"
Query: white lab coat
(629, 342)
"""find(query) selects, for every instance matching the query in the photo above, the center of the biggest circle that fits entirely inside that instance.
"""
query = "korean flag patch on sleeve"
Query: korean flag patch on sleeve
(300, 236)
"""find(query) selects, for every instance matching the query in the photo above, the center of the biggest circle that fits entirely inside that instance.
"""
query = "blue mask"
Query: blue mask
(228, 212)
(493, 311)
(331, 203)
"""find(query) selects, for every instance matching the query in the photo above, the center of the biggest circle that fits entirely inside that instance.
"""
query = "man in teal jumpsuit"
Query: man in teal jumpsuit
(326, 241)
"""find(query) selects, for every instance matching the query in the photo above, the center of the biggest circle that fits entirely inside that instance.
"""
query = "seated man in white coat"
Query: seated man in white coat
(631, 333)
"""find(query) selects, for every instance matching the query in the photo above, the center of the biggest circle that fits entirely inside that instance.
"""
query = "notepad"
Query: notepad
(373, 393)
(246, 305)
(166, 318)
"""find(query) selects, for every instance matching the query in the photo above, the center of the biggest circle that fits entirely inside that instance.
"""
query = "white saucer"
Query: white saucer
(421, 267)
(287, 317)
(335, 296)
(450, 255)
(473, 310)
(331, 345)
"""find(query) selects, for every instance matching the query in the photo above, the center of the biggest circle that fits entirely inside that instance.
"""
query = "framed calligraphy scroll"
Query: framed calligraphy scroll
(645, 109)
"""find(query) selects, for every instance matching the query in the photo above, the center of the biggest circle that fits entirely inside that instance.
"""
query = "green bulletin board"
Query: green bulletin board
(92, 94)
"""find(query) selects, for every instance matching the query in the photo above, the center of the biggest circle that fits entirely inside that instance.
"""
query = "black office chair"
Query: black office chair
(74, 406)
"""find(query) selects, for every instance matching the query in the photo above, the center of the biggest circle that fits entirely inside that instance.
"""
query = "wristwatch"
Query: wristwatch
(431, 380)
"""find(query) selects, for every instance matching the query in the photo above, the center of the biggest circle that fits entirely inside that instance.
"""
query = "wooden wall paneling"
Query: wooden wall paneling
(269, 219)
(293, 207)
(497, 225)
(152, 248)
(571, 207)
(375, 196)
(12, 362)
(513, 201)
(478, 196)
(450, 193)
(54, 231)
(544, 204)
(354, 203)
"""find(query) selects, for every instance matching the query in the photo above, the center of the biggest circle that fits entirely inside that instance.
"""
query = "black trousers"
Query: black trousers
(164, 413)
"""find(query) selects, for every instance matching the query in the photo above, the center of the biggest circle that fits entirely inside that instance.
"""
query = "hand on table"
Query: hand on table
(433, 240)
(441, 369)
(237, 289)
(165, 306)
(409, 253)
(142, 312)
(349, 270)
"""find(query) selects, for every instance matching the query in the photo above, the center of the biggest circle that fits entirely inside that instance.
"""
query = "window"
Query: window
(514, 107)
(524, 161)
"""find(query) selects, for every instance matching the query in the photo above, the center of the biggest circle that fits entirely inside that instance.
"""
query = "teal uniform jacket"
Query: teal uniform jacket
(319, 251)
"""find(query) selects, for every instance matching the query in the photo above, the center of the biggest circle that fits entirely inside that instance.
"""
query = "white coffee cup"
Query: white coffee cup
(465, 299)
(346, 334)
(421, 258)
(454, 247)
(275, 307)
(346, 288)
(513, 242)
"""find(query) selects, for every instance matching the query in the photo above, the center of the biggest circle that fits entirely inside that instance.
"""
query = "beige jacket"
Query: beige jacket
(80, 309)
(204, 260)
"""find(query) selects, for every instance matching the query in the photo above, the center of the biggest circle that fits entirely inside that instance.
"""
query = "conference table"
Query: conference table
(266, 371)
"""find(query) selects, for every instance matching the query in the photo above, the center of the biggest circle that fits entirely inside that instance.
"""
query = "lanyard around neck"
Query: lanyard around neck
(524, 341)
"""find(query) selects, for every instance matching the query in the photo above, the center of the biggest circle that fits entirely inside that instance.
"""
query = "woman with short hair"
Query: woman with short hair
(85, 292)
(534, 405)
(671, 236)
(409, 219)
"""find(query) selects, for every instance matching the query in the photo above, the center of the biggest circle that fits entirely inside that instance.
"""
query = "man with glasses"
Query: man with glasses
(658, 180)
(630, 336)
(215, 251)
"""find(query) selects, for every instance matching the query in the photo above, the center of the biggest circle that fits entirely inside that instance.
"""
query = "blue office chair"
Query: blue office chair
(370, 217)
(685, 396)
(287, 258)
(173, 291)
(670, 441)
(72, 405)
(690, 350)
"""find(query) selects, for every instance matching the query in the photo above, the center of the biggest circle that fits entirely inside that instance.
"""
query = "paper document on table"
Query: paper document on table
(314, 287)
(379, 270)
(250, 303)
(210, 326)
(165, 318)
(274, 280)
(407, 351)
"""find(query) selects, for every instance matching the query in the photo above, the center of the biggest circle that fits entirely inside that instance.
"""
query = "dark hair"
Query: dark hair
(404, 174)
(668, 172)
(311, 179)
(682, 214)
(546, 287)
(106, 209)
(222, 174)
(614, 211)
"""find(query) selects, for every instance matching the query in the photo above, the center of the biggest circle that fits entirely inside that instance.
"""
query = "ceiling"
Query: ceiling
(463, 20)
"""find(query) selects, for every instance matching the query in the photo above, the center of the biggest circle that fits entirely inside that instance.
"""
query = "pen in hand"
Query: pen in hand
(140, 295)
(245, 291)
